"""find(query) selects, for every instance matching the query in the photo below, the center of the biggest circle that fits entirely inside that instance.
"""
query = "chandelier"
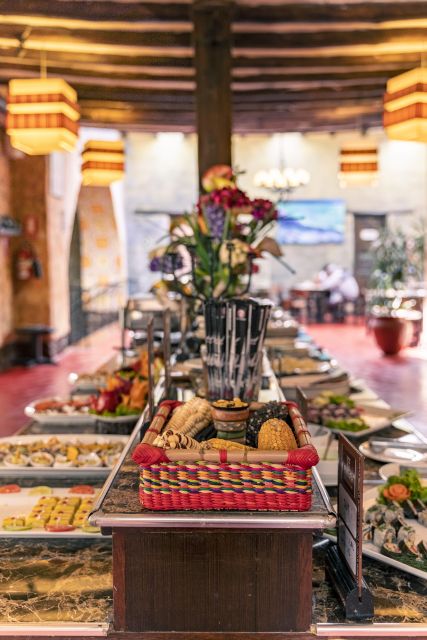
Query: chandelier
(103, 162)
(405, 106)
(282, 181)
(42, 115)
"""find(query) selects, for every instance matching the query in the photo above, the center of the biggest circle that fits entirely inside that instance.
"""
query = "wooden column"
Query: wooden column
(212, 41)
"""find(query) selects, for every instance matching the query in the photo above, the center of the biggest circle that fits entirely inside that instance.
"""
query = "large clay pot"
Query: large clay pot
(392, 334)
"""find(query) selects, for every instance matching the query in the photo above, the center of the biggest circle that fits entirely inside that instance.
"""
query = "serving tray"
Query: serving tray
(18, 471)
(20, 504)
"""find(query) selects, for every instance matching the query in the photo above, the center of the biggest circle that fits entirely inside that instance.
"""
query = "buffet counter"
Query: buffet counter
(196, 575)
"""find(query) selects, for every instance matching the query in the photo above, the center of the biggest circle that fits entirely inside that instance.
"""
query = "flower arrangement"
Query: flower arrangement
(218, 241)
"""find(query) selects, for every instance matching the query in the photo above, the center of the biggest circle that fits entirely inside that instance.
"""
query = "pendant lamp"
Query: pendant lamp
(103, 162)
(42, 115)
(358, 163)
(405, 106)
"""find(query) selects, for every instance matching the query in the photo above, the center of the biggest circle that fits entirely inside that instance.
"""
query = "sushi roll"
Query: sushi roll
(367, 532)
(374, 514)
(409, 509)
(422, 549)
(392, 513)
(391, 550)
(409, 549)
(406, 533)
(419, 505)
(382, 534)
(422, 517)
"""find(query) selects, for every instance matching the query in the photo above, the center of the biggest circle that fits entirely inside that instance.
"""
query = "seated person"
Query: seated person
(340, 283)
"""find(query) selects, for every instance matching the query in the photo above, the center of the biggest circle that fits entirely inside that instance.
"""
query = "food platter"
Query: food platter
(23, 502)
(376, 418)
(86, 460)
(372, 551)
(293, 366)
(56, 417)
(410, 456)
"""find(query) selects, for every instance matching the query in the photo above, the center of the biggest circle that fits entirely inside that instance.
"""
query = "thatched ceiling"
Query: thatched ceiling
(297, 65)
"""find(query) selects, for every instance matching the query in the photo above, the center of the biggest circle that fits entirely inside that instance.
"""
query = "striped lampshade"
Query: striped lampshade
(42, 115)
(103, 162)
(358, 163)
(405, 106)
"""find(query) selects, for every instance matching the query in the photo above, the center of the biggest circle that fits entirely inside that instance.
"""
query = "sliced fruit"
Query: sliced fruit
(41, 490)
(16, 523)
(82, 488)
(10, 488)
(59, 528)
(88, 528)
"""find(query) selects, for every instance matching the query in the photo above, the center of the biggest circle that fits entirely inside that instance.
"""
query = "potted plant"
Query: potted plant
(398, 266)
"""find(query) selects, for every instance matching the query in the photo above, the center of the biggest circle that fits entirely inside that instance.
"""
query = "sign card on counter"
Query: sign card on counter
(344, 562)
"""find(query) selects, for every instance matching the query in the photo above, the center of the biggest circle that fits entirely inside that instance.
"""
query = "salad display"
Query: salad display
(126, 390)
(336, 412)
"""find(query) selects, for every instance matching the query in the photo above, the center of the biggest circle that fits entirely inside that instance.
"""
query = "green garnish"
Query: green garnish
(410, 479)
(347, 424)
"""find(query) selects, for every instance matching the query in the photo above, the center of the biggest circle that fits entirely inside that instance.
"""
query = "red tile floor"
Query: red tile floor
(21, 385)
(401, 380)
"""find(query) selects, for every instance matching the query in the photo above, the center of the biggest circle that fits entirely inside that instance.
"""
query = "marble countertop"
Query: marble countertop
(398, 597)
(55, 581)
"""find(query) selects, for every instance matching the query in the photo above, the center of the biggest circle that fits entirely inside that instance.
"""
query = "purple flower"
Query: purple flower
(168, 263)
(155, 264)
(215, 217)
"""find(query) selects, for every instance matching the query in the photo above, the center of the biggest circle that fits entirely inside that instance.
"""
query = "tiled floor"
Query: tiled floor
(21, 385)
(401, 380)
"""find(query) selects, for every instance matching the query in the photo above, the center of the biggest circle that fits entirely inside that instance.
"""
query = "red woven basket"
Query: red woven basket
(181, 480)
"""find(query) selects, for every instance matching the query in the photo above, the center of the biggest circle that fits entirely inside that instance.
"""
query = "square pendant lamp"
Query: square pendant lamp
(358, 163)
(405, 106)
(42, 115)
(103, 162)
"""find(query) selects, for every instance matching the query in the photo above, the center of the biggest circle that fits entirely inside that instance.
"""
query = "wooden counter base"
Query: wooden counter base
(226, 580)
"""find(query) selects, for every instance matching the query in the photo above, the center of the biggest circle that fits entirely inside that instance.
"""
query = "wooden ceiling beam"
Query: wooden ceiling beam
(27, 65)
(16, 21)
(98, 9)
(268, 11)
(184, 85)
(326, 11)
(307, 103)
(126, 63)
(104, 49)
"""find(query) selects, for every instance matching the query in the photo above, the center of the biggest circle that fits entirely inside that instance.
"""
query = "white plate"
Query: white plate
(117, 419)
(394, 469)
(318, 367)
(20, 504)
(58, 471)
(369, 549)
(408, 457)
(55, 418)
(376, 418)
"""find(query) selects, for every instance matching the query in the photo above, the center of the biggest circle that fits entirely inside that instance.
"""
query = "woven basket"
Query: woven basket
(181, 480)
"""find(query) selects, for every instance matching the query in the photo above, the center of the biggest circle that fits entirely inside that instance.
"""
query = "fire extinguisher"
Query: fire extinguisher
(27, 264)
